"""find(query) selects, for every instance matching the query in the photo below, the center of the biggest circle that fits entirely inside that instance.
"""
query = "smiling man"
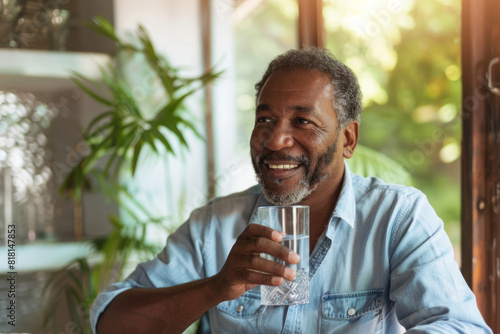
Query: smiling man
(297, 136)
(380, 259)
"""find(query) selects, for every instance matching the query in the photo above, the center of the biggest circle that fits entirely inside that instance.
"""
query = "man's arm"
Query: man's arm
(162, 310)
(430, 293)
(173, 309)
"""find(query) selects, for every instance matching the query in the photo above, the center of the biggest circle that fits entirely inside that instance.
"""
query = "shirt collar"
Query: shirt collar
(261, 201)
(346, 204)
(345, 208)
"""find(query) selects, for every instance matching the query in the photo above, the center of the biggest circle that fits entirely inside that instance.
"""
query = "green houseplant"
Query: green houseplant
(117, 138)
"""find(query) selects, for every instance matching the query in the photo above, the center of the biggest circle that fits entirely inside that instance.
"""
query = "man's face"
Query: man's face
(295, 138)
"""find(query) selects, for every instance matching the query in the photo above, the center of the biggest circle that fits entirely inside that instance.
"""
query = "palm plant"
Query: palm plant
(117, 138)
(369, 162)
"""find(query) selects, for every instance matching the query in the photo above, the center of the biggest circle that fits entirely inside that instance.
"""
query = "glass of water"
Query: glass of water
(293, 222)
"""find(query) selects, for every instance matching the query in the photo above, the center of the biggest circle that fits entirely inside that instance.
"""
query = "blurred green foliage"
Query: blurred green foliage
(406, 55)
(412, 52)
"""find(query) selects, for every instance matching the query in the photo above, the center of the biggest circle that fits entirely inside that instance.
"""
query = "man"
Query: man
(380, 260)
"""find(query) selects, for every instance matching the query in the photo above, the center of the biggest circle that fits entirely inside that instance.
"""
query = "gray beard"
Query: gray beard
(307, 184)
(294, 197)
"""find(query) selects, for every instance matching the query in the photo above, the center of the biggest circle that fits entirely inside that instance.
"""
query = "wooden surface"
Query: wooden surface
(206, 26)
(481, 157)
(311, 30)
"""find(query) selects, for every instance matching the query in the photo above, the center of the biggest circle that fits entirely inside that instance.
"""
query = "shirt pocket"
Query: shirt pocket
(241, 315)
(354, 312)
(248, 305)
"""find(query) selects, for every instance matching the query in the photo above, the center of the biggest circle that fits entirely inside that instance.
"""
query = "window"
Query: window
(406, 55)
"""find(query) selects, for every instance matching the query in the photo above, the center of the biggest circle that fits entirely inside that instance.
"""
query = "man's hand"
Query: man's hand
(140, 310)
(244, 268)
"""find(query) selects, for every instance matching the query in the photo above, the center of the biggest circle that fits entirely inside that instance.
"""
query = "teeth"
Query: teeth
(282, 166)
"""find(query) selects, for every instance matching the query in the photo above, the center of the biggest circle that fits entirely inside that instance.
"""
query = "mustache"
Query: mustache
(280, 156)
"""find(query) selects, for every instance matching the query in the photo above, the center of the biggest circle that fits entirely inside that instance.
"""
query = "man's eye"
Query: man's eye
(263, 120)
(302, 121)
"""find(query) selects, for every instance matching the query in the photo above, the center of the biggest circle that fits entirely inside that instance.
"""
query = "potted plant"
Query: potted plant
(117, 138)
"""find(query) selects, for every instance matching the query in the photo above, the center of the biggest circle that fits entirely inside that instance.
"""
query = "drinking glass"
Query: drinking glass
(293, 222)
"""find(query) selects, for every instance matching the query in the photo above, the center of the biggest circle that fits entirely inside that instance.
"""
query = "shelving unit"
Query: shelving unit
(47, 256)
(43, 78)
(34, 70)
(47, 74)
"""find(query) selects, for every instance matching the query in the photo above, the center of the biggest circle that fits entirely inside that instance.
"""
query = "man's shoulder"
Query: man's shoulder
(242, 202)
(375, 197)
(252, 192)
(363, 185)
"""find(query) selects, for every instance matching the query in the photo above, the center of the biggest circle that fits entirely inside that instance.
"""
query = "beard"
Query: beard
(309, 182)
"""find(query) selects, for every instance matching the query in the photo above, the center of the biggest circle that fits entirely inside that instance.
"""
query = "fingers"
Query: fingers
(279, 251)
(286, 253)
(257, 230)
(270, 267)
(262, 239)
(245, 268)
(263, 279)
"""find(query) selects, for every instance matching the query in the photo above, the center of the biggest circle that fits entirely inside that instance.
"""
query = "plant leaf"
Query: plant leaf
(73, 306)
(137, 152)
(162, 138)
(172, 126)
(100, 25)
(192, 128)
(369, 162)
(154, 62)
(150, 139)
(121, 146)
(97, 119)
(91, 93)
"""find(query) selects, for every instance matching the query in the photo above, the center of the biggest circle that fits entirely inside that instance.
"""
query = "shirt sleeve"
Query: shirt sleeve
(179, 262)
(429, 291)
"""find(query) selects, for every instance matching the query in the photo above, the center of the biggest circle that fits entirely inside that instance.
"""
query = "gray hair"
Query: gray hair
(346, 99)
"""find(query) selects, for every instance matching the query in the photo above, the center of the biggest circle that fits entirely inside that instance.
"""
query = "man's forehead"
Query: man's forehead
(297, 83)
(299, 72)
(300, 108)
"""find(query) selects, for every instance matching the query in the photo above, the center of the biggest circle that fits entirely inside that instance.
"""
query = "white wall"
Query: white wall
(233, 168)
(175, 29)
(224, 116)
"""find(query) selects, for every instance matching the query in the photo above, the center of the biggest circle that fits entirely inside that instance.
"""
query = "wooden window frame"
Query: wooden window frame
(311, 30)
(481, 157)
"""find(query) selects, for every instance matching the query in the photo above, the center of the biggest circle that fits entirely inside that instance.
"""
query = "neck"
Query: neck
(320, 212)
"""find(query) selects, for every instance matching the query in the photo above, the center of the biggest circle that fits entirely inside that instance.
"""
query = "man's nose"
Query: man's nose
(279, 137)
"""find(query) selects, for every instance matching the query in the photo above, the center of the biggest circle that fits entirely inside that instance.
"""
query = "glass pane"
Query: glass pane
(407, 58)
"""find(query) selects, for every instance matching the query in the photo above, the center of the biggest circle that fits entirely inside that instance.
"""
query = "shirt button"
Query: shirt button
(239, 308)
(351, 311)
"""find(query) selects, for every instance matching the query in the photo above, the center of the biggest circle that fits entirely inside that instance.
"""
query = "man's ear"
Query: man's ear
(350, 135)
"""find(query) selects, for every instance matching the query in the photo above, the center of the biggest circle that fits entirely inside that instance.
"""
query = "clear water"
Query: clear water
(290, 292)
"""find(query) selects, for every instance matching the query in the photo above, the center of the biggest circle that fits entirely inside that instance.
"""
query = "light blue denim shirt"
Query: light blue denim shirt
(383, 265)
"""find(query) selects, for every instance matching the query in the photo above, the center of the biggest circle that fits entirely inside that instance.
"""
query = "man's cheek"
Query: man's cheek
(259, 138)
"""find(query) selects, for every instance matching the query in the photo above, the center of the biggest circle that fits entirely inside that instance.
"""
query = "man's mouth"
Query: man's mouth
(282, 167)
(280, 170)
(276, 167)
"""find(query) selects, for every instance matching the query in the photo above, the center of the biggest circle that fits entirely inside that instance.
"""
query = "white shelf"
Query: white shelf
(39, 70)
(45, 256)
